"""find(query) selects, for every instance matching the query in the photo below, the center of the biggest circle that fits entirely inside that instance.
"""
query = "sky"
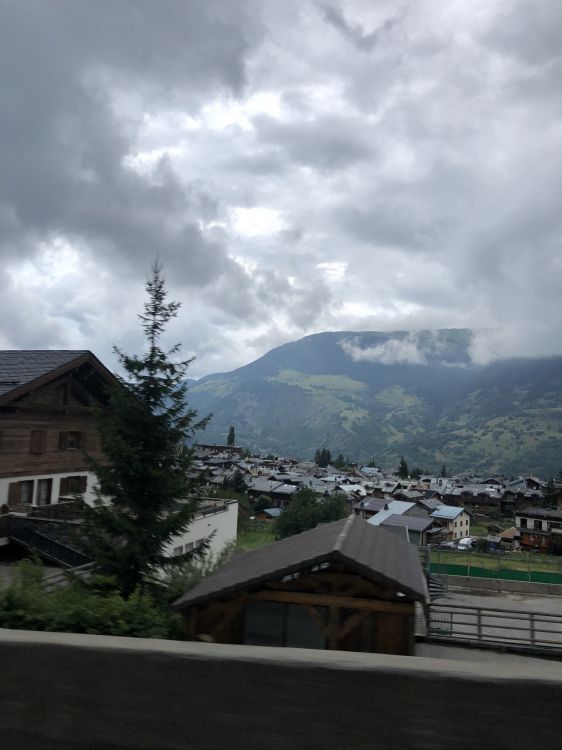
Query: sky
(296, 166)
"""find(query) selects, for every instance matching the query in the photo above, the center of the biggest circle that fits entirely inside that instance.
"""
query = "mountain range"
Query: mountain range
(375, 396)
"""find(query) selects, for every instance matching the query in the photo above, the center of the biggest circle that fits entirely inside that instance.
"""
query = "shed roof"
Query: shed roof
(272, 512)
(374, 552)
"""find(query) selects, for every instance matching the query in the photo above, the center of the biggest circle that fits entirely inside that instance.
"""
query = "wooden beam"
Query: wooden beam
(324, 627)
(352, 622)
(329, 582)
(50, 408)
(234, 611)
(332, 600)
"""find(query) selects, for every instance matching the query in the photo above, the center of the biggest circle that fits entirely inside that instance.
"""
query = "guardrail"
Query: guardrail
(495, 626)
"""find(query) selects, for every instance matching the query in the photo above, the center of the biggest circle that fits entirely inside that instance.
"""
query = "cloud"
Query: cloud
(354, 32)
(395, 351)
(298, 167)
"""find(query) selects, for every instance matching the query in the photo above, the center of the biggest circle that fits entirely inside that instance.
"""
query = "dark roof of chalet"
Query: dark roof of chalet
(374, 552)
(414, 523)
(21, 369)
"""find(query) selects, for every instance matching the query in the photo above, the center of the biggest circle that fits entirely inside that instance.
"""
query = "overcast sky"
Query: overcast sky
(298, 166)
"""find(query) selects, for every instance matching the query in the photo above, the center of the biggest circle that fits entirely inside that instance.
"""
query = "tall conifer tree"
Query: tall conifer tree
(144, 495)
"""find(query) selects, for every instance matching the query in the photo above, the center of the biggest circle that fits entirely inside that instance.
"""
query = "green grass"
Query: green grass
(254, 534)
(478, 529)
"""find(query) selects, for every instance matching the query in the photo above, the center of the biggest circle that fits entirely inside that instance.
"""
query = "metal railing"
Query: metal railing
(495, 626)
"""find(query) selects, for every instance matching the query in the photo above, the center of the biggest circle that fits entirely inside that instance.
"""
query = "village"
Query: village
(432, 511)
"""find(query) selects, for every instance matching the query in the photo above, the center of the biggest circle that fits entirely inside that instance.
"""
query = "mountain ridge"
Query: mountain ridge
(377, 395)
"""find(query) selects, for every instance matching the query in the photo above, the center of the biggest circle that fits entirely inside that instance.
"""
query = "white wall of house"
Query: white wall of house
(223, 522)
(55, 489)
(460, 527)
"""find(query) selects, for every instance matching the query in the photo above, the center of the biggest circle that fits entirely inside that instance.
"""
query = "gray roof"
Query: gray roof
(410, 494)
(546, 513)
(374, 552)
(273, 512)
(261, 484)
(372, 503)
(398, 507)
(415, 523)
(428, 503)
(447, 512)
(20, 367)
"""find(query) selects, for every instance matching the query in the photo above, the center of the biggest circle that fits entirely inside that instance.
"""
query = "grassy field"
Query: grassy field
(252, 535)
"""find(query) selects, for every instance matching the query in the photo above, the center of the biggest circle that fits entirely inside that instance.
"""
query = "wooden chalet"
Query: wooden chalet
(540, 529)
(345, 585)
(46, 424)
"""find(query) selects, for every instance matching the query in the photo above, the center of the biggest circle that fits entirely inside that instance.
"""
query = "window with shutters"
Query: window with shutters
(21, 493)
(70, 486)
(38, 442)
(44, 490)
(70, 440)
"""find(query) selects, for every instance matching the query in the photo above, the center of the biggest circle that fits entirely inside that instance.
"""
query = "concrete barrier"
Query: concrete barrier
(103, 693)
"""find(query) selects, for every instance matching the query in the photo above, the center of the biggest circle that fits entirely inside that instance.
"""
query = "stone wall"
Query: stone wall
(102, 693)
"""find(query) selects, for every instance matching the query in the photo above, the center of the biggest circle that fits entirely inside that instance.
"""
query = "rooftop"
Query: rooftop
(447, 512)
(376, 553)
(20, 367)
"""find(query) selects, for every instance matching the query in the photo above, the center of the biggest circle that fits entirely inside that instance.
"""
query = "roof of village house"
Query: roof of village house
(429, 503)
(447, 512)
(272, 512)
(261, 484)
(546, 513)
(20, 367)
(394, 507)
(510, 533)
(371, 504)
(374, 552)
(410, 494)
(413, 523)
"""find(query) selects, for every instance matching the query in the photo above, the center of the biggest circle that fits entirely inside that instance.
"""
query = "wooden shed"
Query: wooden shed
(346, 585)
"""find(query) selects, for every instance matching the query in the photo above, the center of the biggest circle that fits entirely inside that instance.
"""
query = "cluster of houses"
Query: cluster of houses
(430, 510)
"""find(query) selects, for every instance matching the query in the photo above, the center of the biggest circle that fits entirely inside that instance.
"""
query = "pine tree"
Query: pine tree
(306, 510)
(231, 439)
(323, 457)
(403, 468)
(236, 482)
(144, 496)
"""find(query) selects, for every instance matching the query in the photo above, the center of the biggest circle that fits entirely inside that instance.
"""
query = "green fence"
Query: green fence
(498, 569)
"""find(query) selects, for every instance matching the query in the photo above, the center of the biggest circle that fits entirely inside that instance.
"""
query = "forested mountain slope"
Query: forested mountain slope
(376, 396)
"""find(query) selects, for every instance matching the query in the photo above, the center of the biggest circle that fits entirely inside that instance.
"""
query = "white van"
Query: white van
(465, 544)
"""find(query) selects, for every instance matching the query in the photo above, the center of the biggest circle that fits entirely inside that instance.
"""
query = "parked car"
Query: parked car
(465, 544)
